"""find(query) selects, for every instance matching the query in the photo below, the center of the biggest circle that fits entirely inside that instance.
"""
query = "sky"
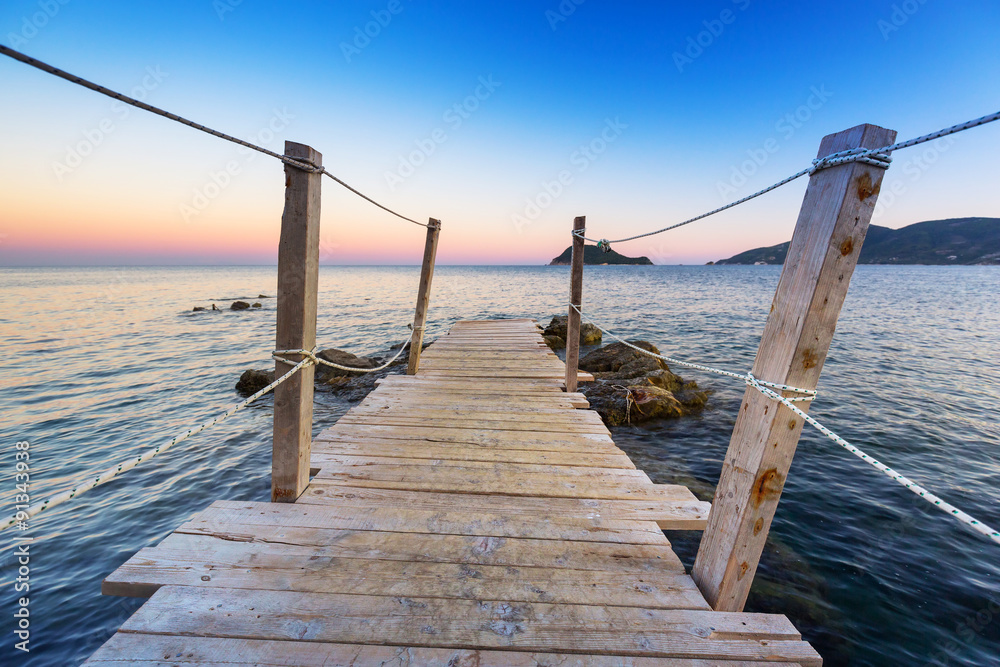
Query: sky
(504, 120)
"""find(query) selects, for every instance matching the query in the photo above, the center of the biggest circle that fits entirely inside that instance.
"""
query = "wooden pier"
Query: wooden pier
(470, 514)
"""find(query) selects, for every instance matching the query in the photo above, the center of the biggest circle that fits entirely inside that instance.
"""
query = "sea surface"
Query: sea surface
(100, 364)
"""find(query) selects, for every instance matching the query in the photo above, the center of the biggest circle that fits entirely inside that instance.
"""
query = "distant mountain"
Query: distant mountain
(594, 255)
(953, 241)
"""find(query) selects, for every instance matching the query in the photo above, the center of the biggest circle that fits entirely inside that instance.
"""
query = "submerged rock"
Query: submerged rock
(253, 381)
(257, 305)
(589, 333)
(239, 305)
(263, 296)
(198, 309)
(631, 387)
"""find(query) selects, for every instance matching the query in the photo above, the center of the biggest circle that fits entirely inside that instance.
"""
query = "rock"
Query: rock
(555, 342)
(589, 333)
(253, 381)
(239, 305)
(632, 387)
(198, 309)
(326, 373)
(263, 296)
(619, 357)
(257, 305)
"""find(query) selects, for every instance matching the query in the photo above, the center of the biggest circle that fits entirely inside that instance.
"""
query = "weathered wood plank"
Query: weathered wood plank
(437, 547)
(286, 615)
(147, 650)
(403, 512)
(670, 513)
(408, 449)
(280, 567)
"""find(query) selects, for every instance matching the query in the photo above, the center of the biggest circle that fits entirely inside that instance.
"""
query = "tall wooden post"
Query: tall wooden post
(423, 295)
(575, 298)
(824, 250)
(298, 278)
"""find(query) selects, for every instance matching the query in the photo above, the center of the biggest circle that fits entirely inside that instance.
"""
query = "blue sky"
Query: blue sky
(690, 104)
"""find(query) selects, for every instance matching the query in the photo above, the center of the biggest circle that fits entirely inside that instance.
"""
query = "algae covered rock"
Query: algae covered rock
(253, 381)
(631, 387)
(336, 356)
(589, 333)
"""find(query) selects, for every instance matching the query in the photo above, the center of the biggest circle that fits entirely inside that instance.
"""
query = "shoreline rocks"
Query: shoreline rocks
(555, 333)
(630, 387)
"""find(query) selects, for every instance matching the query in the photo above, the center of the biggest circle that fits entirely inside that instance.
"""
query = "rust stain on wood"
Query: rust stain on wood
(768, 487)
(847, 247)
(866, 188)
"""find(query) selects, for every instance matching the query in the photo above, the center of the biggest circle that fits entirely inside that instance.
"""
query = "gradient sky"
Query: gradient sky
(86, 181)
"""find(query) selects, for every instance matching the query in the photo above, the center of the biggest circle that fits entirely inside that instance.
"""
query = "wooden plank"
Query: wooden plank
(451, 414)
(420, 466)
(402, 512)
(298, 281)
(147, 650)
(402, 449)
(831, 227)
(511, 439)
(435, 547)
(676, 510)
(284, 615)
(475, 424)
(423, 295)
(280, 567)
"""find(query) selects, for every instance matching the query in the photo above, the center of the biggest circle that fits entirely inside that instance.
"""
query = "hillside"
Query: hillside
(593, 255)
(952, 241)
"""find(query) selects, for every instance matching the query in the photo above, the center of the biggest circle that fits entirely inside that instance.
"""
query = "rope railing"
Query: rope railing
(300, 164)
(771, 389)
(22, 516)
(878, 157)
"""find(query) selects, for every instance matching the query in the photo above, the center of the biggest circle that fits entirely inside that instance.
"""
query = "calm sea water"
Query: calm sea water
(99, 364)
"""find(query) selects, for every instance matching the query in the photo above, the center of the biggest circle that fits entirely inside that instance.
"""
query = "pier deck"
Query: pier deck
(471, 514)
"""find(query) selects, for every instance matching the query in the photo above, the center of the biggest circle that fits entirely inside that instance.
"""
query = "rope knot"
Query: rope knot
(866, 155)
(604, 245)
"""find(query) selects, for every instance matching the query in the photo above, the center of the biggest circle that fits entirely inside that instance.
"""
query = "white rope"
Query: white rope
(878, 157)
(311, 355)
(805, 394)
(113, 472)
(295, 162)
(975, 524)
(768, 389)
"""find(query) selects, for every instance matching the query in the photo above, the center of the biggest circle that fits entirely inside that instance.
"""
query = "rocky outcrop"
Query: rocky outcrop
(253, 381)
(631, 387)
(239, 305)
(555, 333)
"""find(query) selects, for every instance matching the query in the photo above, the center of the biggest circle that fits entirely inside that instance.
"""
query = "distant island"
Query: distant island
(953, 241)
(594, 255)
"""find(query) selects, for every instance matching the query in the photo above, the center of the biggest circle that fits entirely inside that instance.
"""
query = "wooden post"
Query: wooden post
(831, 227)
(423, 296)
(298, 277)
(575, 298)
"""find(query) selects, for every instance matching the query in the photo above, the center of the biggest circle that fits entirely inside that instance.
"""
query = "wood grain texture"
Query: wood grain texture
(298, 283)
(824, 250)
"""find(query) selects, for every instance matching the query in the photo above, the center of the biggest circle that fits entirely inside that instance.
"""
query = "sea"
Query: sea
(99, 364)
